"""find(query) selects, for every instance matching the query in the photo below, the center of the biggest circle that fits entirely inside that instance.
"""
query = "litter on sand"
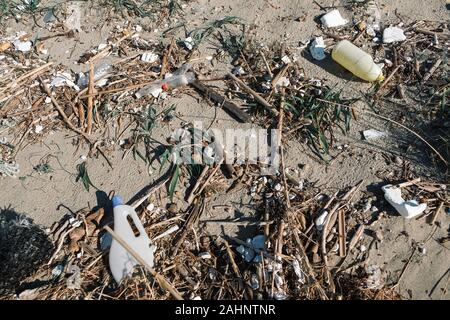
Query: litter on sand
(407, 208)
(333, 19)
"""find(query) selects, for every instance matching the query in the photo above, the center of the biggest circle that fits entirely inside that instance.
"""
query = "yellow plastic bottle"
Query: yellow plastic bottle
(356, 61)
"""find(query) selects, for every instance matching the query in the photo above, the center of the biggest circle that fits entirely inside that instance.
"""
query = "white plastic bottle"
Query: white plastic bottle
(121, 262)
(357, 61)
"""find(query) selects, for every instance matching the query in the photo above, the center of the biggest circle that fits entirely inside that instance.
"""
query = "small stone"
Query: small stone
(172, 208)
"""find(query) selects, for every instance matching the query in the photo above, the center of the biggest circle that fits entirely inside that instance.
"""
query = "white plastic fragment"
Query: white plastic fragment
(283, 82)
(374, 279)
(298, 271)
(63, 79)
(23, 46)
(166, 233)
(189, 43)
(30, 294)
(204, 255)
(38, 128)
(408, 209)
(286, 60)
(393, 34)
(149, 57)
(74, 281)
(317, 48)
(238, 71)
(333, 19)
(373, 134)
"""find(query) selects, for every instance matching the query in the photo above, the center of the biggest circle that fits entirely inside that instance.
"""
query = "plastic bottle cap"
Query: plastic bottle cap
(117, 201)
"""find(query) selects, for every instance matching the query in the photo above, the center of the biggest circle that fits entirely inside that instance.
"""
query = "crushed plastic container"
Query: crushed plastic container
(101, 71)
(182, 77)
(357, 61)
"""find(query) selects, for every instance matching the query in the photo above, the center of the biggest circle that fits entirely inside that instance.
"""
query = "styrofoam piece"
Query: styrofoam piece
(149, 57)
(393, 34)
(373, 134)
(317, 48)
(23, 46)
(121, 262)
(407, 208)
(333, 19)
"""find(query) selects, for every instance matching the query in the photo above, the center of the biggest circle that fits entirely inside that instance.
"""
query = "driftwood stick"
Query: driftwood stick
(230, 107)
(255, 94)
(342, 233)
(437, 212)
(163, 282)
(61, 111)
(432, 70)
(90, 99)
(197, 184)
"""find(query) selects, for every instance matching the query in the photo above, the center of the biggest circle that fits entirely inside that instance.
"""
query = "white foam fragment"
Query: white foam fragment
(23, 46)
(283, 82)
(393, 34)
(317, 48)
(333, 19)
(286, 60)
(408, 209)
(189, 43)
(373, 134)
(149, 57)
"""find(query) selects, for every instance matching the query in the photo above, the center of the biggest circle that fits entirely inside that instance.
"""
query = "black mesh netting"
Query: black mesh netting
(24, 247)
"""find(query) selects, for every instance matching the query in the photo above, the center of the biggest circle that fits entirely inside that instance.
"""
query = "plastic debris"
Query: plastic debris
(63, 79)
(374, 13)
(356, 61)
(238, 71)
(105, 241)
(286, 60)
(149, 57)
(9, 169)
(74, 281)
(189, 43)
(254, 282)
(23, 46)
(333, 19)
(393, 34)
(101, 72)
(317, 48)
(121, 262)
(204, 255)
(38, 128)
(182, 77)
(73, 21)
(373, 134)
(249, 251)
(374, 279)
(56, 271)
(166, 233)
(299, 272)
(408, 209)
(29, 294)
(283, 82)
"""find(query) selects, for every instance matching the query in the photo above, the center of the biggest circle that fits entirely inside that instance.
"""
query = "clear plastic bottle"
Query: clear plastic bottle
(179, 78)
(357, 61)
